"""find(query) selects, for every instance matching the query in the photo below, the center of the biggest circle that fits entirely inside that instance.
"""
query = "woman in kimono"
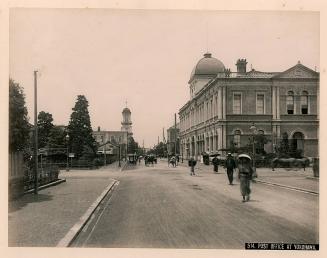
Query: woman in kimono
(245, 172)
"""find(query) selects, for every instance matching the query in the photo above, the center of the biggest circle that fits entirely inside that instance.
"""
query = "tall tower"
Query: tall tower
(126, 124)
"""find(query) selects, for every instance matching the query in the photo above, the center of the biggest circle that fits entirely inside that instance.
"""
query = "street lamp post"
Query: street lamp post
(67, 150)
(119, 165)
(254, 130)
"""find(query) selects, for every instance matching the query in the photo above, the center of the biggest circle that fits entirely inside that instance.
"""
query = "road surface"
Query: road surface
(165, 207)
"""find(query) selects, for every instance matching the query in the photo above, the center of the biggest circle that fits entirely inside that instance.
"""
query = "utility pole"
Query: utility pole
(143, 147)
(35, 136)
(175, 134)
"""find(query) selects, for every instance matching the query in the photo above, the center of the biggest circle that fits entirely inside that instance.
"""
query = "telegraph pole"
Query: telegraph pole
(175, 134)
(35, 136)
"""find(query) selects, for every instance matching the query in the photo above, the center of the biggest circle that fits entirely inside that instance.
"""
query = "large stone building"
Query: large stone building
(173, 139)
(109, 141)
(224, 106)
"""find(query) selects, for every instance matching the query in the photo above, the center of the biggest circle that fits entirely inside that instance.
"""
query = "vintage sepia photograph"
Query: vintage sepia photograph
(165, 129)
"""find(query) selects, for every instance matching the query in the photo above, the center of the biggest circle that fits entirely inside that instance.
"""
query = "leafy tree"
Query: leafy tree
(284, 148)
(260, 141)
(160, 149)
(80, 130)
(45, 126)
(19, 127)
(57, 137)
(133, 146)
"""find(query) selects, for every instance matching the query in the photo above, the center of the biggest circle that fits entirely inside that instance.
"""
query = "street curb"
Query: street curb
(288, 187)
(57, 182)
(73, 232)
(312, 177)
(123, 167)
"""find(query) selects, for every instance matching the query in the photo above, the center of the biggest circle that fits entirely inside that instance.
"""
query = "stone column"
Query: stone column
(215, 142)
(196, 148)
(219, 103)
(278, 109)
(205, 142)
(224, 138)
(219, 138)
(224, 102)
(274, 102)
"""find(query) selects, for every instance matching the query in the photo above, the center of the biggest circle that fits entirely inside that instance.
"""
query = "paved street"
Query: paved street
(161, 207)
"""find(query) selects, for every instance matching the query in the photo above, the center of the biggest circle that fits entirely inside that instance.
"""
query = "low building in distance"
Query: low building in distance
(110, 141)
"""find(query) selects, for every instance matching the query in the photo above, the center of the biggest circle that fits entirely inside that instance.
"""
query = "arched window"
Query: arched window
(290, 102)
(304, 102)
(237, 138)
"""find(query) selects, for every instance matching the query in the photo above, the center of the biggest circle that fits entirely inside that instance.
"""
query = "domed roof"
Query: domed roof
(208, 66)
(126, 110)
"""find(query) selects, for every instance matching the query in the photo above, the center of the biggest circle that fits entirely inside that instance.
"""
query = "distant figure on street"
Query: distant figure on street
(192, 164)
(215, 162)
(245, 172)
(177, 160)
(172, 161)
(230, 165)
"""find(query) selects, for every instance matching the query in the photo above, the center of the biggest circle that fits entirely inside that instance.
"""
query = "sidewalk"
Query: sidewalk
(44, 219)
(294, 178)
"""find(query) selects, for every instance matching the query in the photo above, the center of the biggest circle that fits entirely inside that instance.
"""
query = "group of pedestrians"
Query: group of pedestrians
(174, 160)
(244, 167)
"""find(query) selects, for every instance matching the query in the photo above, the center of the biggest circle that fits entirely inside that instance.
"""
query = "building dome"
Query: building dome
(208, 66)
(126, 110)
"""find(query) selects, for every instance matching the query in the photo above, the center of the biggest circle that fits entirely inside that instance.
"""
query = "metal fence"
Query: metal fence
(46, 174)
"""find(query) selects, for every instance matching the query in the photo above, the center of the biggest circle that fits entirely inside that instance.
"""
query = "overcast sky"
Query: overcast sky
(144, 57)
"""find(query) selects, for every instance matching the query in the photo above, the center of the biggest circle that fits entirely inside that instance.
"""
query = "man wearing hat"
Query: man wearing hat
(245, 175)
(215, 162)
(230, 166)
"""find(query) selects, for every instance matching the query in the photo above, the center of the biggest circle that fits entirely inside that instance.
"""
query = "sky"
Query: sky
(144, 57)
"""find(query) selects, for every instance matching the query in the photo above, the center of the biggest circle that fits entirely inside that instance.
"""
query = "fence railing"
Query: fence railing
(46, 174)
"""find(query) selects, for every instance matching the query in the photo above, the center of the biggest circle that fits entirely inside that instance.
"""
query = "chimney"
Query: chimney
(98, 128)
(241, 66)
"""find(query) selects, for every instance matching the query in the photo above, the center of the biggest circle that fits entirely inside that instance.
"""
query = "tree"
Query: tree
(133, 146)
(260, 141)
(57, 137)
(284, 147)
(80, 130)
(45, 126)
(19, 127)
(160, 149)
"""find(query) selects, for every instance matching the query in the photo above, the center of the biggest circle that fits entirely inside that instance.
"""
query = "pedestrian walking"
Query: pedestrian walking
(215, 162)
(245, 172)
(230, 165)
(192, 164)
(173, 161)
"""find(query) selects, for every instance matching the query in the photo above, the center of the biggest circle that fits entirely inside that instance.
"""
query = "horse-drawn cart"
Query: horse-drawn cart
(132, 158)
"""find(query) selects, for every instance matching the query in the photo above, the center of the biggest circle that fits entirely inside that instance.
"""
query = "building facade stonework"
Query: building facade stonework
(224, 105)
(109, 140)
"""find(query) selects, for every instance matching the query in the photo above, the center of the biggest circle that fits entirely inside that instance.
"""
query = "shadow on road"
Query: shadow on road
(26, 199)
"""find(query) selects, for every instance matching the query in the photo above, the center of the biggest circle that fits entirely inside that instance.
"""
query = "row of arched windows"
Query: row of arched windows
(290, 102)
